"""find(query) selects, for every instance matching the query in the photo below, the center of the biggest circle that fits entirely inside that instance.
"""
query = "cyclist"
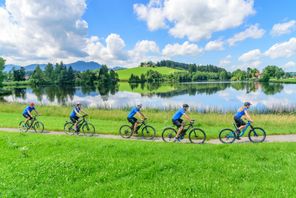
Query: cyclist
(242, 112)
(27, 112)
(177, 121)
(75, 114)
(131, 117)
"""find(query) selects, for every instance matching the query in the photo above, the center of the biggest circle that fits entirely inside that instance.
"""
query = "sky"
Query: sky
(234, 34)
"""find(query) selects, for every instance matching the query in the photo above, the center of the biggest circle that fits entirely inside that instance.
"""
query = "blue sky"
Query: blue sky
(115, 32)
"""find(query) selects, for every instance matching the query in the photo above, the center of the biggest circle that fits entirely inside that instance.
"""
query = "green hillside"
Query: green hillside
(125, 74)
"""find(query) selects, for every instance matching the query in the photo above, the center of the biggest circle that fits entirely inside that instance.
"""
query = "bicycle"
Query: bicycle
(87, 128)
(255, 135)
(196, 135)
(36, 125)
(148, 132)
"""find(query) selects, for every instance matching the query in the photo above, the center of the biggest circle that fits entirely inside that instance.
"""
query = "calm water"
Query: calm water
(200, 96)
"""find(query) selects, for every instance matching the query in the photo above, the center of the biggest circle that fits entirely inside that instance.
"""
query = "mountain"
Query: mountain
(77, 66)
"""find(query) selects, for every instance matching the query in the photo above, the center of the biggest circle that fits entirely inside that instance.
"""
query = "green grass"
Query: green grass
(16, 83)
(125, 74)
(287, 80)
(109, 121)
(34, 165)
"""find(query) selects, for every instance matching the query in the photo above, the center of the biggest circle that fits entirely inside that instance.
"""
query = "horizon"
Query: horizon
(250, 34)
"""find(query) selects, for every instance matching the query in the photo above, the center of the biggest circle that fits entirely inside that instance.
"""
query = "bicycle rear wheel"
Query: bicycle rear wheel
(168, 134)
(69, 128)
(125, 131)
(197, 136)
(148, 132)
(227, 136)
(38, 127)
(257, 135)
(88, 129)
(23, 127)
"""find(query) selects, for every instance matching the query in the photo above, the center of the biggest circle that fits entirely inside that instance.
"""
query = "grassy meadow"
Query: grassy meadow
(34, 165)
(108, 121)
(125, 74)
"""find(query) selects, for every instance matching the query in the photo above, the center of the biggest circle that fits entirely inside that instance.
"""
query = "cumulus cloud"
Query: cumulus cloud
(214, 45)
(226, 61)
(27, 33)
(251, 32)
(291, 65)
(283, 28)
(194, 19)
(250, 56)
(184, 49)
(284, 49)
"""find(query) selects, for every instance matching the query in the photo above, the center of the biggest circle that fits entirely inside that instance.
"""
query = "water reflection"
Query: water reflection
(200, 95)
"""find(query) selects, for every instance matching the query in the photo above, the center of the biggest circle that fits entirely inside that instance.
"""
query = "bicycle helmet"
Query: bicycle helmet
(32, 104)
(139, 105)
(185, 105)
(247, 104)
(78, 103)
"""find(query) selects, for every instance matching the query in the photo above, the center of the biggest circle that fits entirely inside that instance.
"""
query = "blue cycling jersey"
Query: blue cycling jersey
(240, 114)
(179, 114)
(133, 112)
(73, 113)
(28, 109)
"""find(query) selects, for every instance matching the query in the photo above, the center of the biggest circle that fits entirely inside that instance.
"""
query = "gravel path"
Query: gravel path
(269, 138)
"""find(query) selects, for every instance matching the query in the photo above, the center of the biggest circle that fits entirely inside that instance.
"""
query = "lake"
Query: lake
(203, 97)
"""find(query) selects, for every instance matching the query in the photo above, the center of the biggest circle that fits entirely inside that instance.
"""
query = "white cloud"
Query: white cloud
(40, 30)
(195, 19)
(250, 56)
(146, 46)
(283, 28)
(184, 49)
(251, 32)
(284, 49)
(226, 61)
(214, 45)
(291, 65)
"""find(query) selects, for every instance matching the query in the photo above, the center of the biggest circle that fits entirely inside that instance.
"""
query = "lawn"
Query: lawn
(125, 74)
(34, 165)
(109, 121)
(286, 80)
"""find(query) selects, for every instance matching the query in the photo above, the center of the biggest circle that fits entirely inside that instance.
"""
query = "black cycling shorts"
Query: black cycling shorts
(239, 122)
(132, 120)
(178, 122)
(74, 119)
(27, 116)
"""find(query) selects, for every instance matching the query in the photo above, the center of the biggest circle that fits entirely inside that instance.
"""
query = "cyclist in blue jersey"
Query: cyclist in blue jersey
(177, 121)
(131, 116)
(75, 114)
(242, 112)
(27, 112)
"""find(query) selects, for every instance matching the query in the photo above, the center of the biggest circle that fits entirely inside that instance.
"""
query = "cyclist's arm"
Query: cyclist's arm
(36, 111)
(77, 113)
(83, 112)
(142, 115)
(248, 116)
(187, 117)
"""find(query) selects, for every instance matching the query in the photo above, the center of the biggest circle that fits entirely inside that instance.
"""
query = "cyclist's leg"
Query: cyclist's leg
(180, 124)
(28, 117)
(134, 122)
(240, 125)
(75, 121)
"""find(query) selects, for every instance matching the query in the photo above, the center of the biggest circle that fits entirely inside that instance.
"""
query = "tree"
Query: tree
(2, 63)
(239, 75)
(49, 73)
(38, 77)
(19, 74)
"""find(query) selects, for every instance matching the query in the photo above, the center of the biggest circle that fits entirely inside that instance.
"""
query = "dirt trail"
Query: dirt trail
(269, 138)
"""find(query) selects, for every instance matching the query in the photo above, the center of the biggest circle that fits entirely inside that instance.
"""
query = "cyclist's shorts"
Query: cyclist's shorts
(27, 116)
(239, 122)
(178, 122)
(132, 120)
(74, 119)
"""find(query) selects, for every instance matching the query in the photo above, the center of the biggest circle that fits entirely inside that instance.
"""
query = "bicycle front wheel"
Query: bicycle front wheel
(69, 128)
(38, 127)
(23, 127)
(227, 136)
(125, 131)
(168, 134)
(88, 129)
(257, 135)
(197, 136)
(148, 132)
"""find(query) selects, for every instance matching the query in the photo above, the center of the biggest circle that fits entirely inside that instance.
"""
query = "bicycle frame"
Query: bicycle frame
(33, 120)
(244, 130)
